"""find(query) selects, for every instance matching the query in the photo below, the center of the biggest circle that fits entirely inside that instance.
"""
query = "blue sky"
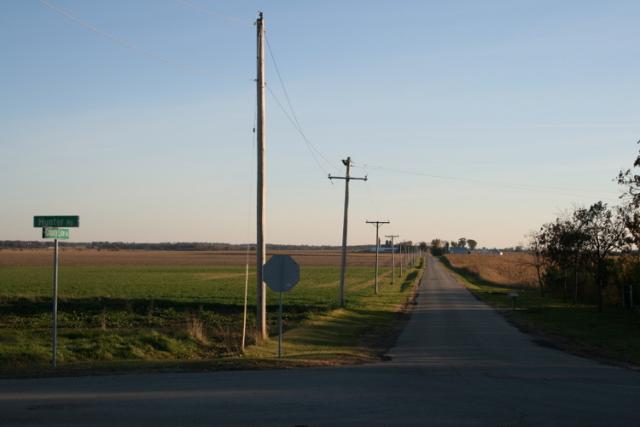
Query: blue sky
(476, 119)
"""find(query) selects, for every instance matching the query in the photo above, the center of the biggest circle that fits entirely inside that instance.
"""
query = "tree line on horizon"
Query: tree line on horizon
(440, 247)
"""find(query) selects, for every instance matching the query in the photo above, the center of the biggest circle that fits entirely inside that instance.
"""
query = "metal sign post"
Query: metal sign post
(280, 326)
(54, 329)
(281, 273)
(50, 230)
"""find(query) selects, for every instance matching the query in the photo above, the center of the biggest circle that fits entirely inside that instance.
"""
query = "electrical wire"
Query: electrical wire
(123, 41)
(288, 116)
(207, 11)
(372, 203)
(291, 109)
(524, 187)
(291, 116)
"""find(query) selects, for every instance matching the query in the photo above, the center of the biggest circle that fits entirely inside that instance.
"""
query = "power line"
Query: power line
(295, 122)
(288, 116)
(122, 41)
(207, 11)
(516, 186)
(315, 153)
(292, 117)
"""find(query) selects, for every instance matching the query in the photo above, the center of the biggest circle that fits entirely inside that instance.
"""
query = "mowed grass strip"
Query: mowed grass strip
(158, 317)
(360, 332)
(613, 335)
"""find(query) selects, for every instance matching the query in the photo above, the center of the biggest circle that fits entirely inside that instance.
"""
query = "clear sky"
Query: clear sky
(477, 119)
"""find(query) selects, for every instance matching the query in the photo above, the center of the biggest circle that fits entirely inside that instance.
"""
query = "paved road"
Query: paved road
(457, 363)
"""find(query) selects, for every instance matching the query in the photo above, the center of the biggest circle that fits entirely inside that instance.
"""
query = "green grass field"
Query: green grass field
(118, 315)
(613, 335)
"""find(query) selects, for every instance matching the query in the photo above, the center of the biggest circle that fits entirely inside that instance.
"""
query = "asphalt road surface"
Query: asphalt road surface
(457, 363)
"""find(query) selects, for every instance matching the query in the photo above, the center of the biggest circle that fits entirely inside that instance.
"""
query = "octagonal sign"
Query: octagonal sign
(281, 273)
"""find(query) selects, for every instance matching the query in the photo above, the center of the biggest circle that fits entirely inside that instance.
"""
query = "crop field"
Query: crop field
(96, 257)
(513, 269)
(155, 305)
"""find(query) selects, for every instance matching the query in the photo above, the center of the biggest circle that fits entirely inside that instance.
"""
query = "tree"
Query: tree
(561, 245)
(632, 182)
(472, 244)
(536, 245)
(462, 242)
(606, 232)
(575, 239)
(630, 210)
(438, 247)
(630, 213)
(553, 243)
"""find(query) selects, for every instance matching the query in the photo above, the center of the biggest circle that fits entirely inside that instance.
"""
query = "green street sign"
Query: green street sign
(56, 221)
(55, 233)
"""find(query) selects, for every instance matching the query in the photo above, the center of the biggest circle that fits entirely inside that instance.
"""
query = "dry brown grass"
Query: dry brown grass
(509, 269)
(195, 329)
(94, 257)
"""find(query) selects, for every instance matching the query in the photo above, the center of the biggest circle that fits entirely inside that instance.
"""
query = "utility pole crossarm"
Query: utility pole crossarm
(350, 178)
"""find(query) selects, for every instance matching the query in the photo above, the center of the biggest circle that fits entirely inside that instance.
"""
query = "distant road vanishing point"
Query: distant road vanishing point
(456, 363)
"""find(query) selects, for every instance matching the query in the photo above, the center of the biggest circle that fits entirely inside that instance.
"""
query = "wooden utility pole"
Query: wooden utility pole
(343, 263)
(261, 290)
(377, 224)
(393, 256)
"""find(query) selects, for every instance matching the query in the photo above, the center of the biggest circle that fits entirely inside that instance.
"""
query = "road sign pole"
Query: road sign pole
(280, 327)
(54, 331)
(281, 273)
(55, 227)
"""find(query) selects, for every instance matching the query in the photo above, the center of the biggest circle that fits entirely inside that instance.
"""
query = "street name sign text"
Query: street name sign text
(56, 221)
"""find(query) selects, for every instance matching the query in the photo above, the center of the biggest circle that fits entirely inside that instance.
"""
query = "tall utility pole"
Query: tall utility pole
(261, 290)
(401, 261)
(393, 256)
(343, 264)
(377, 224)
